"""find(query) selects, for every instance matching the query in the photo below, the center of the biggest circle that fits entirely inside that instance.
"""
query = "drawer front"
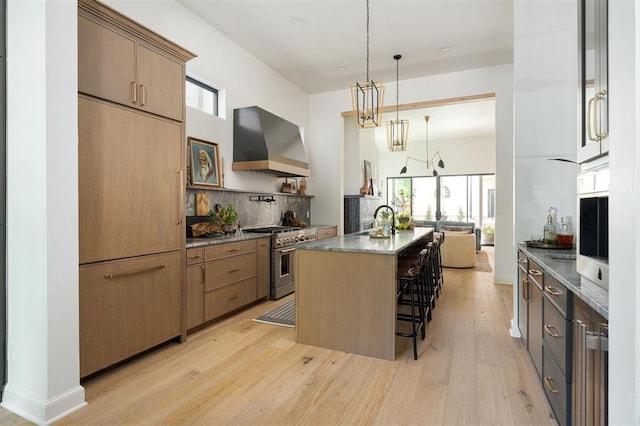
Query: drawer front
(128, 306)
(232, 249)
(226, 299)
(195, 255)
(233, 269)
(556, 333)
(536, 273)
(326, 233)
(556, 388)
(557, 294)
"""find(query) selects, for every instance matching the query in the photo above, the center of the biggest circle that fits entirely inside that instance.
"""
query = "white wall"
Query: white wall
(245, 80)
(624, 213)
(42, 232)
(328, 136)
(545, 74)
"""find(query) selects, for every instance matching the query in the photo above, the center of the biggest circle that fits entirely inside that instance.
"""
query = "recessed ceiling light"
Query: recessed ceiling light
(445, 49)
(341, 68)
(297, 21)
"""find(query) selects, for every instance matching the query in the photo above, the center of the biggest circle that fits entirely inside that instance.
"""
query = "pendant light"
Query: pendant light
(429, 163)
(367, 97)
(397, 130)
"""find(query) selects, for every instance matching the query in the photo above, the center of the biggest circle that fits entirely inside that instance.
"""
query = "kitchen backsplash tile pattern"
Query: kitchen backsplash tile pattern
(254, 213)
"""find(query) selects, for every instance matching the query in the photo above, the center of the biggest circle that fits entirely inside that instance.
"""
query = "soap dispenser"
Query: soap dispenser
(549, 231)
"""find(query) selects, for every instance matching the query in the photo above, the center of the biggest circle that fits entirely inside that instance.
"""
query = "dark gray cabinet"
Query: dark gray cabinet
(535, 315)
(523, 298)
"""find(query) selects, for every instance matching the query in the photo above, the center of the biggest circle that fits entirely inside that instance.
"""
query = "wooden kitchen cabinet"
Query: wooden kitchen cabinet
(131, 188)
(195, 287)
(224, 277)
(264, 267)
(126, 307)
(125, 63)
(124, 159)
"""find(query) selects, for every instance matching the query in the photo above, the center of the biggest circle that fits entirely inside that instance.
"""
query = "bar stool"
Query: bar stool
(411, 284)
(430, 277)
(437, 263)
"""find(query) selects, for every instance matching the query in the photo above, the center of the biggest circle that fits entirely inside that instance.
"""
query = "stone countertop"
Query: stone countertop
(231, 238)
(564, 270)
(361, 242)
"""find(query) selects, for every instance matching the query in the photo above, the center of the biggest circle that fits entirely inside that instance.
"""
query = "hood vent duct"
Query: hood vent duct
(266, 143)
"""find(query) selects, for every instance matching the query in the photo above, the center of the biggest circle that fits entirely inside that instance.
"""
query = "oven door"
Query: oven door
(282, 282)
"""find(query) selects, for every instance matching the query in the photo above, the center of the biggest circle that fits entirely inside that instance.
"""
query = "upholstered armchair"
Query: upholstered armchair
(458, 249)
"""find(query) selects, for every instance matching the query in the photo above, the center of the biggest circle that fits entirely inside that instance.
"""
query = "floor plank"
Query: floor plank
(240, 372)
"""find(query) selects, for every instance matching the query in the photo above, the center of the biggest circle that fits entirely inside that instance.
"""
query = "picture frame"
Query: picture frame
(367, 176)
(204, 163)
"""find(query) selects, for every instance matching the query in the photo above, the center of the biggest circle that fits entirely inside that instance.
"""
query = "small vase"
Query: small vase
(226, 228)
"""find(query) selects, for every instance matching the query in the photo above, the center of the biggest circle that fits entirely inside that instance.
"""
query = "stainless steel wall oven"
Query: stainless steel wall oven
(592, 248)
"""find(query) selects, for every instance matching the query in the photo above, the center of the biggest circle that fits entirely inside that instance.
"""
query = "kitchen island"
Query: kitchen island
(346, 291)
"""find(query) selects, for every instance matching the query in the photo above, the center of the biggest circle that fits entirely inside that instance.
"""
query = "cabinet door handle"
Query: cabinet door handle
(231, 271)
(580, 370)
(181, 192)
(197, 256)
(134, 92)
(232, 250)
(535, 272)
(525, 289)
(590, 118)
(230, 298)
(551, 331)
(547, 383)
(126, 274)
(598, 97)
(552, 290)
(144, 95)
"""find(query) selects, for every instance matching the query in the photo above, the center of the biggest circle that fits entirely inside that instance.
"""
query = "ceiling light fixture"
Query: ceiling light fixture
(429, 163)
(367, 97)
(397, 130)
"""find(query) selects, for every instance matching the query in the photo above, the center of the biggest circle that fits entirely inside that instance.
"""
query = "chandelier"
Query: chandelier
(397, 130)
(429, 162)
(367, 97)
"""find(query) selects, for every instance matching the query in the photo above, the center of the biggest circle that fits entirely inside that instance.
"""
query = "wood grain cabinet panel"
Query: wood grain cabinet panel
(123, 62)
(195, 295)
(264, 267)
(124, 158)
(327, 232)
(220, 251)
(128, 306)
(229, 298)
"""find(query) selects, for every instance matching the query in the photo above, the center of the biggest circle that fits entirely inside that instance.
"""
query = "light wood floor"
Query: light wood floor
(469, 372)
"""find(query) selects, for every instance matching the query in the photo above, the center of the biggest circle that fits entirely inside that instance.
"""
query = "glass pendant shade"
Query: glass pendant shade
(367, 100)
(397, 135)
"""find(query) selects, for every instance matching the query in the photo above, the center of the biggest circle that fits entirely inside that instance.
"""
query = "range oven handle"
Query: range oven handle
(281, 251)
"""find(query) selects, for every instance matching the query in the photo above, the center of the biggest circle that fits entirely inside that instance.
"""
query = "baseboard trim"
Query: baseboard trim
(43, 413)
(508, 280)
(514, 331)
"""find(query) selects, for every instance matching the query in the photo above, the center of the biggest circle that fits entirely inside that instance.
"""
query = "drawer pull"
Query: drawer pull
(547, 383)
(197, 256)
(535, 272)
(232, 250)
(134, 92)
(230, 298)
(521, 261)
(552, 291)
(551, 331)
(231, 271)
(126, 274)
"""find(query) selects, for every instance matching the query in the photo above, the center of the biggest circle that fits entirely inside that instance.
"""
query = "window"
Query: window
(465, 198)
(201, 96)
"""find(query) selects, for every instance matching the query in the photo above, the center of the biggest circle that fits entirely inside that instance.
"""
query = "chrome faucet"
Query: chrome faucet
(393, 217)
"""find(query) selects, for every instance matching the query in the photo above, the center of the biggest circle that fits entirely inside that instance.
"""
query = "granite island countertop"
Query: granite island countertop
(231, 238)
(561, 265)
(361, 242)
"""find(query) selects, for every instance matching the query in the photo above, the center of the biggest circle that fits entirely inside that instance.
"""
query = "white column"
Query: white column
(42, 232)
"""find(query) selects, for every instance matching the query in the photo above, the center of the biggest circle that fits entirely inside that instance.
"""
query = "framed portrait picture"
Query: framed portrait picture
(204, 162)
(367, 176)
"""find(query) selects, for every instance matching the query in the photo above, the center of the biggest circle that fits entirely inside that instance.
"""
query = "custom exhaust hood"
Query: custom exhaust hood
(266, 143)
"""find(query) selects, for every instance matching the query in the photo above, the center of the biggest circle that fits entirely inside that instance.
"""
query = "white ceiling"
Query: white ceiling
(478, 32)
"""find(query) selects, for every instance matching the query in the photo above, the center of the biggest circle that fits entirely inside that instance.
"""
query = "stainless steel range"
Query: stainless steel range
(283, 242)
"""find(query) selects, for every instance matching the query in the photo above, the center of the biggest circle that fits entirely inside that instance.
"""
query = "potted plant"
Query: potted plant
(225, 216)
(488, 233)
